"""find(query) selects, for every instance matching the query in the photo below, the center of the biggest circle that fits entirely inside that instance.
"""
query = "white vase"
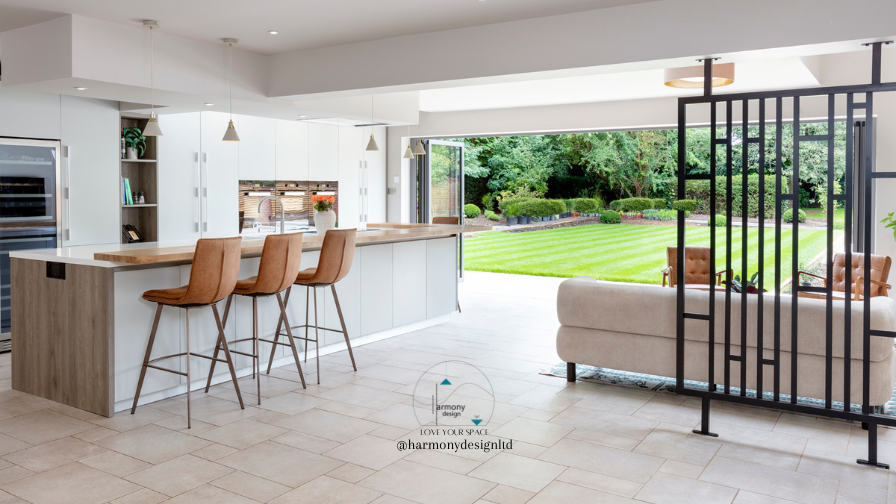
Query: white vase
(324, 221)
(132, 153)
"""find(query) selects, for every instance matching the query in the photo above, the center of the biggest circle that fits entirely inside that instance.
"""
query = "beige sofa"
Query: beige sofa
(631, 327)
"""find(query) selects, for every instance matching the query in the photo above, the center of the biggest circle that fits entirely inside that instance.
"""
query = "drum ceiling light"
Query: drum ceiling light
(692, 77)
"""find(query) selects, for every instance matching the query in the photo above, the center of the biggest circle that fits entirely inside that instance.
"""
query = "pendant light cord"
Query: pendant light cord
(230, 57)
(152, 87)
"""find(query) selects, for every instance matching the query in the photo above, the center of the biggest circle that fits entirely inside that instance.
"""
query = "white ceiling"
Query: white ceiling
(303, 24)
(757, 75)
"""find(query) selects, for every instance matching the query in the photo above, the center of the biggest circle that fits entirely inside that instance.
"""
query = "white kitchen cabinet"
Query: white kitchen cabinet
(323, 152)
(219, 164)
(376, 288)
(29, 114)
(408, 292)
(441, 276)
(180, 212)
(291, 150)
(257, 150)
(90, 158)
(349, 291)
(351, 155)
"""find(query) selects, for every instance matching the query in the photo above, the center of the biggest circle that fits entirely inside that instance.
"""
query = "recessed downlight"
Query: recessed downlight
(273, 32)
(209, 104)
(78, 88)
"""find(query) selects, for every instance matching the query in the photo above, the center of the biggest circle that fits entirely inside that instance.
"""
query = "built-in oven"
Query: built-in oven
(29, 209)
(296, 199)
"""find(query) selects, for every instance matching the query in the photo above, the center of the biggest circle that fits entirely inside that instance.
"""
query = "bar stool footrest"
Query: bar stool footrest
(166, 370)
(243, 353)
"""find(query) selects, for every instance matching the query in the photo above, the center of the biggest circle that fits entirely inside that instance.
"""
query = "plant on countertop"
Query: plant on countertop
(752, 287)
(471, 211)
(788, 216)
(610, 217)
(134, 139)
(890, 222)
(323, 203)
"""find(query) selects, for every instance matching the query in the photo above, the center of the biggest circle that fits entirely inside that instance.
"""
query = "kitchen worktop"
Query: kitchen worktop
(123, 255)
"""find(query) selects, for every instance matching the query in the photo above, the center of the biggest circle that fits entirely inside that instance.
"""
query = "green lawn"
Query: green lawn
(621, 252)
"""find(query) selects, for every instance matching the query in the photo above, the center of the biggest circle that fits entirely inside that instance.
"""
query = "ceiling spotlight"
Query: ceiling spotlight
(209, 104)
(273, 32)
(81, 88)
(692, 77)
(302, 117)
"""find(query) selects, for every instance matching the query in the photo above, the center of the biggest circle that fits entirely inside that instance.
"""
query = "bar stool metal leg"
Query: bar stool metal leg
(152, 339)
(344, 330)
(307, 303)
(292, 342)
(316, 338)
(188, 367)
(223, 342)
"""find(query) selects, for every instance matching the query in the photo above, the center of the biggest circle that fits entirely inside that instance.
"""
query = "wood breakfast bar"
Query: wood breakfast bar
(80, 326)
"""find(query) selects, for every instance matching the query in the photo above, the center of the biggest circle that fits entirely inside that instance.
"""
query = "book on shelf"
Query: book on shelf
(127, 199)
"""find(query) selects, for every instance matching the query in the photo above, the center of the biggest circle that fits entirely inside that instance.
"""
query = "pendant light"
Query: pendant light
(152, 126)
(230, 135)
(692, 77)
(407, 153)
(419, 150)
(371, 145)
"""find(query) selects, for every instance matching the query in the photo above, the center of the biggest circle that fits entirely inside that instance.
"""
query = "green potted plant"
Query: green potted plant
(135, 142)
(890, 222)
(512, 213)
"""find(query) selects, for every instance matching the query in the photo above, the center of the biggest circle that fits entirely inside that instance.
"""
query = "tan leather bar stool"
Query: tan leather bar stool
(335, 261)
(216, 265)
(277, 270)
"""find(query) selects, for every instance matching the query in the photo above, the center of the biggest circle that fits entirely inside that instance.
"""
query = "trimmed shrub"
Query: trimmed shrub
(512, 210)
(699, 190)
(718, 220)
(492, 216)
(616, 206)
(585, 205)
(636, 205)
(686, 205)
(471, 211)
(659, 203)
(788, 216)
(610, 217)
(570, 205)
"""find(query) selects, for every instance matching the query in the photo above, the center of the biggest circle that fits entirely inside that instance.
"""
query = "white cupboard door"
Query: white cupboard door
(292, 150)
(180, 212)
(90, 158)
(376, 177)
(323, 152)
(219, 162)
(257, 148)
(351, 158)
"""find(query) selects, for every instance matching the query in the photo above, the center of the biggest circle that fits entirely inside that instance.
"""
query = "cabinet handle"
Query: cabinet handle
(205, 194)
(198, 184)
(67, 153)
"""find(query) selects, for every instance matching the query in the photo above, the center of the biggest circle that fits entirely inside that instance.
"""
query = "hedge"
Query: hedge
(586, 205)
(636, 205)
(616, 206)
(471, 211)
(719, 221)
(684, 205)
(610, 217)
(659, 203)
(699, 190)
(788, 216)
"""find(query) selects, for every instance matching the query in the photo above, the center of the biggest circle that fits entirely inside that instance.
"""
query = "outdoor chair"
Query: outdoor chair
(696, 268)
(880, 270)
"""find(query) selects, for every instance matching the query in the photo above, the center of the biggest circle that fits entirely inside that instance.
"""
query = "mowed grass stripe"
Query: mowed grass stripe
(623, 252)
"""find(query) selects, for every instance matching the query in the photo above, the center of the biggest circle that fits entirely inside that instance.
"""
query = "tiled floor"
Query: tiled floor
(581, 443)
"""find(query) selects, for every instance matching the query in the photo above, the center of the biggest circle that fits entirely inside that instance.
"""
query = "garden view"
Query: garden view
(606, 205)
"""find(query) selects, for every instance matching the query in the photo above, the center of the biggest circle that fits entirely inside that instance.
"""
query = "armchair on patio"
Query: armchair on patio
(696, 268)
(880, 271)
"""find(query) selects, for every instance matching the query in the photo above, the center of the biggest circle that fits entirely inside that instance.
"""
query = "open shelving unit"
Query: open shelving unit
(143, 175)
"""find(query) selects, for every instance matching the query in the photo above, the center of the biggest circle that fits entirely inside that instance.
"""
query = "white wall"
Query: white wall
(398, 205)
(26, 114)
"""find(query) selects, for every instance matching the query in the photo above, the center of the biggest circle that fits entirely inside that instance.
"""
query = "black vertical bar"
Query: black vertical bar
(847, 238)
(795, 281)
(866, 319)
(745, 229)
(679, 267)
(728, 229)
(875, 65)
(712, 253)
(760, 350)
(779, 168)
(829, 308)
(707, 77)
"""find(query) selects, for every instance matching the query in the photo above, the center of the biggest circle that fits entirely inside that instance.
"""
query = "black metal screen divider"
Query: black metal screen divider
(866, 415)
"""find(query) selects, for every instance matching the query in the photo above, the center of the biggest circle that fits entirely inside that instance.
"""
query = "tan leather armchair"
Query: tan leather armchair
(696, 268)
(880, 271)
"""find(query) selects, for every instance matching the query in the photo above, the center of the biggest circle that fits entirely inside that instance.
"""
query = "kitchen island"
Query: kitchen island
(80, 325)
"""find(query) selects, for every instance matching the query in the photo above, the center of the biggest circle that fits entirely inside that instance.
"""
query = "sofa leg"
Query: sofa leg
(571, 372)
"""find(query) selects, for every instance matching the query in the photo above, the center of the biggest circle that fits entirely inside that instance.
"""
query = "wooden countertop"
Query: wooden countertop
(385, 232)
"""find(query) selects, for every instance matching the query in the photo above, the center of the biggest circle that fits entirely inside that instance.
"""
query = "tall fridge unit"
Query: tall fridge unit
(30, 209)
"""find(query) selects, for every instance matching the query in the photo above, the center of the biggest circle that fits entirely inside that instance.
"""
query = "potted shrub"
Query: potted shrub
(511, 213)
(324, 216)
(135, 142)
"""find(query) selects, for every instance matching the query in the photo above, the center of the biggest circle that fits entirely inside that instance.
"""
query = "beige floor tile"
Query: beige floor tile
(153, 444)
(13, 473)
(564, 492)
(507, 495)
(214, 452)
(770, 481)
(661, 410)
(744, 497)
(242, 433)
(280, 463)
(179, 423)
(396, 415)
(600, 482)
(250, 486)
(325, 489)
(670, 489)
(532, 431)
(861, 493)
(71, 483)
(604, 460)
(347, 409)
(328, 425)
(213, 410)
(290, 404)
(776, 449)
(115, 463)
(11, 445)
(682, 469)
(421, 483)
(391, 499)
(269, 417)
(350, 473)
(142, 496)
(675, 445)
(824, 435)
(518, 472)
(597, 437)
(444, 461)
(125, 421)
(394, 374)
(621, 396)
(364, 397)
(389, 432)
(540, 415)
(841, 467)
(208, 494)
(53, 454)
(95, 434)
(24, 404)
(368, 451)
(74, 412)
(42, 426)
(606, 423)
(306, 442)
(179, 475)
